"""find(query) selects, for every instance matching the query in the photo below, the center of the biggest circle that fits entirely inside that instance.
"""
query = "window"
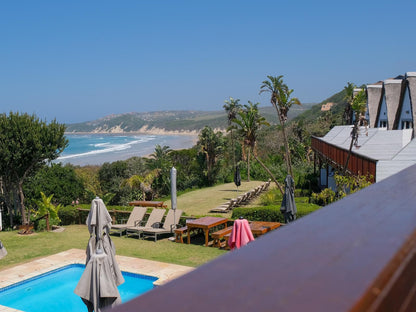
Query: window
(407, 125)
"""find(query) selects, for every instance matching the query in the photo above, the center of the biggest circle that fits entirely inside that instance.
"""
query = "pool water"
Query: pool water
(54, 291)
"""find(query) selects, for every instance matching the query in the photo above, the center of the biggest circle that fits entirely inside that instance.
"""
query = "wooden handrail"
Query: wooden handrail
(357, 254)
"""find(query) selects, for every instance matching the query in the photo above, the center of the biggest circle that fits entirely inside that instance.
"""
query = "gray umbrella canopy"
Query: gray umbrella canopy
(97, 286)
(237, 176)
(3, 251)
(288, 207)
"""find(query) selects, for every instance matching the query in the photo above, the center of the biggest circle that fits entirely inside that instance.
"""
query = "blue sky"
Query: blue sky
(81, 60)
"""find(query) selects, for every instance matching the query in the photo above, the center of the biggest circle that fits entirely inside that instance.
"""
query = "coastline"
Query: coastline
(175, 141)
(144, 130)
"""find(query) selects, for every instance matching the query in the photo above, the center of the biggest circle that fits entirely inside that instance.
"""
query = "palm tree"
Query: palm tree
(282, 101)
(160, 160)
(358, 106)
(142, 183)
(247, 125)
(232, 107)
(211, 145)
(349, 96)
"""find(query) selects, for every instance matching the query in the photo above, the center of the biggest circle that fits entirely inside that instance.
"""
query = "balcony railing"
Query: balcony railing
(336, 156)
(357, 254)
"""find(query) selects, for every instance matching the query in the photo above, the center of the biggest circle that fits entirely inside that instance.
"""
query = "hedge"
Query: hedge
(272, 213)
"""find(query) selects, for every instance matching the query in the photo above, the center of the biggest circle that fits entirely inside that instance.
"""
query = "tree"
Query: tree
(60, 180)
(232, 107)
(160, 160)
(47, 209)
(358, 105)
(247, 127)
(349, 96)
(211, 145)
(26, 144)
(282, 101)
(142, 183)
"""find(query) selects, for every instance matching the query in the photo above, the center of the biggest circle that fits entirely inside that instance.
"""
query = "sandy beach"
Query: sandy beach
(135, 148)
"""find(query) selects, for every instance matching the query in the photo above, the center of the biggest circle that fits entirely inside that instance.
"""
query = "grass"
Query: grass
(24, 248)
(199, 202)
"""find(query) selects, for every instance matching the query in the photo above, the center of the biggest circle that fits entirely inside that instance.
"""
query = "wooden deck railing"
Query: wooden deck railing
(357, 254)
(336, 156)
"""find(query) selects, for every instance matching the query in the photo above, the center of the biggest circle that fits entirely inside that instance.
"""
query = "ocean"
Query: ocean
(96, 149)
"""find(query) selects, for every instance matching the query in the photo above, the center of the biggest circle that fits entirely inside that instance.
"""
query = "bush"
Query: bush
(40, 225)
(323, 198)
(272, 213)
(68, 215)
(269, 213)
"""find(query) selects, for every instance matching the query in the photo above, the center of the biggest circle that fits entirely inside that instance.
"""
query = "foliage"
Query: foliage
(188, 170)
(45, 206)
(271, 197)
(40, 225)
(350, 184)
(282, 100)
(211, 145)
(160, 163)
(60, 180)
(68, 215)
(345, 185)
(325, 197)
(267, 213)
(88, 175)
(26, 144)
(272, 213)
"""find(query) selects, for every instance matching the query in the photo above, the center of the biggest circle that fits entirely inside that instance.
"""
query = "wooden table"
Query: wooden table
(145, 203)
(205, 223)
(261, 227)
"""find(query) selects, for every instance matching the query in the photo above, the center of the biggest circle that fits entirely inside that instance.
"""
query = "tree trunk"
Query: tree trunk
(248, 165)
(21, 203)
(270, 174)
(353, 137)
(288, 162)
(233, 148)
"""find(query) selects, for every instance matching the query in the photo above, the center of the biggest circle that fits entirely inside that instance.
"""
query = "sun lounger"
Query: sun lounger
(135, 217)
(170, 224)
(154, 220)
(225, 207)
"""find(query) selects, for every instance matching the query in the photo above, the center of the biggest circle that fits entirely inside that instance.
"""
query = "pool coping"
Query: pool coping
(165, 272)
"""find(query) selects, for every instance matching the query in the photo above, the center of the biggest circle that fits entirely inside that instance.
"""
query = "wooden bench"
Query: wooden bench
(218, 235)
(179, 234)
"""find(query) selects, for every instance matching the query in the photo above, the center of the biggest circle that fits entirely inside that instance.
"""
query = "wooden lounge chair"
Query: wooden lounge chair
(154, 220)
(224, 207)
(168, 227)
(135, 217)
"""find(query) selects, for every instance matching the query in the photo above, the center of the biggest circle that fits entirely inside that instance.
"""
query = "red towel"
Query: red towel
(241, 234)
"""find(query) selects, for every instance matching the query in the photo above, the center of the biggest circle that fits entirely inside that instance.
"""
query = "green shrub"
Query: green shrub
(271, 197)
(269, 213)
(272, 213)
(323, 198)
(40, 225)
(68, 215)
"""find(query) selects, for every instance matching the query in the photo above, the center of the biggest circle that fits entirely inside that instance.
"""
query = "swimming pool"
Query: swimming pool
(54, 290)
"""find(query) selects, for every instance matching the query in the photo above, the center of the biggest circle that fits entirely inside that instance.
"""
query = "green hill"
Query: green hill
(169, 121)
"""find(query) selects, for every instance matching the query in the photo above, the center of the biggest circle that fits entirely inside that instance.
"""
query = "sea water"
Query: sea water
(54, 291)
(96, 149)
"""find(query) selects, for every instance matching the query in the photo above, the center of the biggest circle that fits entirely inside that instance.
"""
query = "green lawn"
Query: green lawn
(23, 248)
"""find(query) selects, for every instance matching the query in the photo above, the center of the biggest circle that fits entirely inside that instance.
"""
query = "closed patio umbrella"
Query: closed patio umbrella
(288, 207)
(97, 286)
(237, 177)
